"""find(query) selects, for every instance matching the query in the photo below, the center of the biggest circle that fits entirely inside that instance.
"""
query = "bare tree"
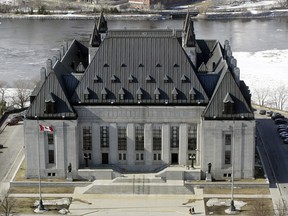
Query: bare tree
(23, 91)
(3, 88)
(262, 95)
(280, 97)
(7, 203)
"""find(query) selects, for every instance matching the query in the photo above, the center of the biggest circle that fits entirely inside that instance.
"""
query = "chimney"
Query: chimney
(42, 74)
(48, 66)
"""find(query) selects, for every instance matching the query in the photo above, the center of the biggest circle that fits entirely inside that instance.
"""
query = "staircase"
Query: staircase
(138, 184)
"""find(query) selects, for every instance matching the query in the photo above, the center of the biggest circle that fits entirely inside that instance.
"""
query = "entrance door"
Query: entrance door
(105, 158)
(174, 158)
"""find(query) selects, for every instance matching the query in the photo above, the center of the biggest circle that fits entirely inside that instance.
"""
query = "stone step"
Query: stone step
(140, 189)
(139, 180)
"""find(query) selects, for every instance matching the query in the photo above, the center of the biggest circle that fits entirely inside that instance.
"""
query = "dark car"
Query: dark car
(262, 112)
(279, 121)
(285, 141)
(18, 118)
(12, 122)
(269, 113)
(276, 116)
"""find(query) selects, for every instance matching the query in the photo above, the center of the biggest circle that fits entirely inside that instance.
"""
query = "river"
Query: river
(26, 44)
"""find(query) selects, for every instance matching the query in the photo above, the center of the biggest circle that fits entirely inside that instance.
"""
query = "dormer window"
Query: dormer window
(184, 79)
(140, 65)
(157, 94)
(50, 104)
(158, 65)
(192, 94)
(105, 65)
(123, 65)
(131, 79)
(174, 94)
(228, 104)
(97, 79)
(113, 79)
(148, 79)
(166, 79)
(104, 94)
(86, 94)
(121, 94)
(175, 65)
(139, 93)
(80, 68)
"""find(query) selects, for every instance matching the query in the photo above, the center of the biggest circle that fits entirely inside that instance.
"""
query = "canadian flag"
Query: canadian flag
(45, 128)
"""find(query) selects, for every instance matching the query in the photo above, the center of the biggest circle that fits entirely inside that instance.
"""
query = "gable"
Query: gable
(227, 86)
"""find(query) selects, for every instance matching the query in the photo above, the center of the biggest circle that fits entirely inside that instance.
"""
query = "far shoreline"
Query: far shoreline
(223, 15)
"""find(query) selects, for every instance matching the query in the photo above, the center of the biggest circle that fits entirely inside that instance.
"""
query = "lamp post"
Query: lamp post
(41, 206)
(192, 158)
(232, 206)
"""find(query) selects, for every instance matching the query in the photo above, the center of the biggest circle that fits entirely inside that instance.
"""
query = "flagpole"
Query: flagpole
(41, 206)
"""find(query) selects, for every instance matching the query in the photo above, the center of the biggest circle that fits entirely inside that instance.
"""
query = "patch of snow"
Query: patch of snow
(225, 202)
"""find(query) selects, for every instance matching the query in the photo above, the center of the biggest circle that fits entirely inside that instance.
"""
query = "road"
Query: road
(12, 138)
(276, 152)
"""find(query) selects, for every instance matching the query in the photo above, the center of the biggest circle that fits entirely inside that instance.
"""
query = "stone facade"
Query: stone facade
(141, 101)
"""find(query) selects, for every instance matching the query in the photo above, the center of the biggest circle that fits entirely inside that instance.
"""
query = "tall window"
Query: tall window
(174, 136)
(87, 138)
(122, 138)
(139, 137)
(227, 142)
(104, 136)
(157, 138)
(192, 137)
(51, 148)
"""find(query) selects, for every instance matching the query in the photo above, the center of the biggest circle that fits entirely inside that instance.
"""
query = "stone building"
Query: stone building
(141, 101)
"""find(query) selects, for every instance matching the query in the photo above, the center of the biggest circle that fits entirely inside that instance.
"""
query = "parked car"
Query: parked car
(285, 141)
(276, 116)
(279, 121)
(18, 118)
(262, 112)
(12, 122)
(282, 130)
(282, 126)
(269, 113)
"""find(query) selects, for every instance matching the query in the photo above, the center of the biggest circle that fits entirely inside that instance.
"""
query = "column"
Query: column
(130, 144)
(60, 153)
(148, 143)
(113, 144)
(183, 144)
(96, 147)
(166, 143)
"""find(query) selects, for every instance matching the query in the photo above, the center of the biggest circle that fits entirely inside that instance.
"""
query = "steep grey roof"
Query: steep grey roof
(76, 54)
(51, 91)
(227, 89)
(155, 59)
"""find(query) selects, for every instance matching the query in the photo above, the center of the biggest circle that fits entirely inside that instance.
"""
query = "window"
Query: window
(51, 158)
(139, 157)
(139, 96)
(227, 142)
(139, 137)
(87, 138)
(50, 139)
(122, 138)
(122, 156)
(86, 96)
(174, 137)
(104, 136)
(157, 157)
(51, 146)
(192, 137)
(228, 108)
(50, 107)
(157, 138)
(103, 96)
(157, 96)
(227, 157)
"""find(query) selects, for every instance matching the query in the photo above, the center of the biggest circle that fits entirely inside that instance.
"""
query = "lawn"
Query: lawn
(264, 191)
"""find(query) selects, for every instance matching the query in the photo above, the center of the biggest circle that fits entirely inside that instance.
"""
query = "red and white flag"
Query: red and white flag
(45, 128)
